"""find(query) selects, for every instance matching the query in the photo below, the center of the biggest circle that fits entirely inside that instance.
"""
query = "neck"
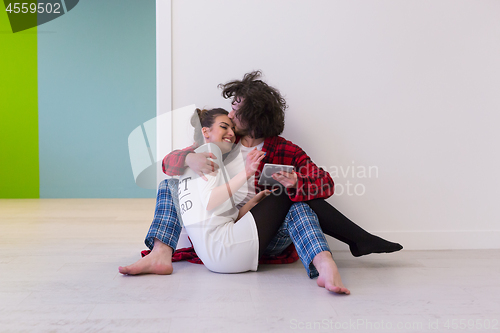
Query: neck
(248, 141)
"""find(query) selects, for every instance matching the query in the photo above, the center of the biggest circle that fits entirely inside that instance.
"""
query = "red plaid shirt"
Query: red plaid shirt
(312, 182)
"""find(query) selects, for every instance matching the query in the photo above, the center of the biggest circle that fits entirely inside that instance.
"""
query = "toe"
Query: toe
(346, 291)
(334, 289)
(123, 270)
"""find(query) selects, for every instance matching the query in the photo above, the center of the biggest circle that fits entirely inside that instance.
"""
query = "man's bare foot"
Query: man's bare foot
(329, 276)
(159, 261)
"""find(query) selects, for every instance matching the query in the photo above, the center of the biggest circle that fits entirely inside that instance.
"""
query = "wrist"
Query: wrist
(249, 174)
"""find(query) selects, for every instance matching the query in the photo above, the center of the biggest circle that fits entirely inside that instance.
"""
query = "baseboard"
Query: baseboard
(435, 240)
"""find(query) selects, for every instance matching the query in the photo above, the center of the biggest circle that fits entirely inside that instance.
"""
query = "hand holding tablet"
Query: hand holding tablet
(284, 172)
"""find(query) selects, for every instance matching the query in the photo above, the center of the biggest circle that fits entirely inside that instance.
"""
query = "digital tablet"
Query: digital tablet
(266, 177)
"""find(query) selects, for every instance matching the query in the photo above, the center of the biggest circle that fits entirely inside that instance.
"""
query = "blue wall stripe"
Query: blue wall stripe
(96, 83)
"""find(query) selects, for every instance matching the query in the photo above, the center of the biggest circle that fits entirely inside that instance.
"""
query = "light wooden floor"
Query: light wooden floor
(58, 273)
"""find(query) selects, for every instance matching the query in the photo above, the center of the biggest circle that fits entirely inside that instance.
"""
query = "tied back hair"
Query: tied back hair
(204, 118)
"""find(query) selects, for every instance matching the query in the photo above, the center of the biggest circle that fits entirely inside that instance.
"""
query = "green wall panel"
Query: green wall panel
(19, 175)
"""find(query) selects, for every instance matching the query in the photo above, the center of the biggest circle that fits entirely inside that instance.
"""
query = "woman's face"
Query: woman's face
(221, 133)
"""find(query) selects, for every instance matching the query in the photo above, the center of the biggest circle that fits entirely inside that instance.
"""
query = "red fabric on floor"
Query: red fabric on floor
(286, 257)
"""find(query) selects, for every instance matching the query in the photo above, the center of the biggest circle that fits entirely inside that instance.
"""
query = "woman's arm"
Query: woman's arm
(252, 202)
(221, 193)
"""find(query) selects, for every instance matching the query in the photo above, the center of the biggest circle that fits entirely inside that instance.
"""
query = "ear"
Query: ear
(205, 130)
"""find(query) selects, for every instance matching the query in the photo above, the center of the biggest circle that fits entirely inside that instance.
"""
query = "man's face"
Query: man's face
(235, 105)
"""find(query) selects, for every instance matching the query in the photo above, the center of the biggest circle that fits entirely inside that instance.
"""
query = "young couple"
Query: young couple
(230, 224)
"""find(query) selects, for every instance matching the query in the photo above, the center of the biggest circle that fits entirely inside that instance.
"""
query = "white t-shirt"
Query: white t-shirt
(222, 245)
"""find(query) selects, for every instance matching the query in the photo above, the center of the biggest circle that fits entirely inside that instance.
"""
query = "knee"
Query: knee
(171, 184)
(171, 181)
(303, 209)
(299, 207)
(167, 187)
(163, 183)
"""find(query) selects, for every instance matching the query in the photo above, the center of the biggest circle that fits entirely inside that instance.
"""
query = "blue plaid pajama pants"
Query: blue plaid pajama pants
(301, 227)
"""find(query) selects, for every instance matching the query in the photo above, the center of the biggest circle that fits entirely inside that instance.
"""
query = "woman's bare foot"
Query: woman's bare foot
(159, 261)
(329, 276)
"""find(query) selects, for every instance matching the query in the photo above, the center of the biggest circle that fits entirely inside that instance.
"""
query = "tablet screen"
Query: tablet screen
(266, 177)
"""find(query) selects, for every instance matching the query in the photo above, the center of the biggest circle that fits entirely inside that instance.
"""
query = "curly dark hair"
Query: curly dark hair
(263, 109)
(204, 118)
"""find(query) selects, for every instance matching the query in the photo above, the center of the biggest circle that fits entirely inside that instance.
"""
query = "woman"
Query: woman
(208, 213)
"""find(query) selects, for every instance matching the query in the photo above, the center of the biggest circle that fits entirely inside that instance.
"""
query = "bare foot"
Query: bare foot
(159, 261)
(329, 276)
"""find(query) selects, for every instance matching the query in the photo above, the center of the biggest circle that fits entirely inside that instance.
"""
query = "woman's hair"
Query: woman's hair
(263, 108)
(204, 118)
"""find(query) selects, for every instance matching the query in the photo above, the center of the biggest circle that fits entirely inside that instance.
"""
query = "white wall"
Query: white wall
(409, 87)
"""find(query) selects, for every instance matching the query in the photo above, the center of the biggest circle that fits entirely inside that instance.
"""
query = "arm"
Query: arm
(252, 202)
(312, 182)
(176, 162)
(221, 193)
(309, 181)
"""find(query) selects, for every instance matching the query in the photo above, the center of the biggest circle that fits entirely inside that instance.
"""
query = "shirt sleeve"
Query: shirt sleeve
(173, 163)
(312, 181)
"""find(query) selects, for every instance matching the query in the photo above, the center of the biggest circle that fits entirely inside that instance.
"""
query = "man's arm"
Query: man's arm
(175, 163)
(312, 182)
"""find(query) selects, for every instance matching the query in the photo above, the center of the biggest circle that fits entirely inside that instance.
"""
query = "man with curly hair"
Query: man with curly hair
(258, 113)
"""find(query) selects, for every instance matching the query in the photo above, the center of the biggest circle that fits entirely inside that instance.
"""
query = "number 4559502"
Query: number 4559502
(33, 8)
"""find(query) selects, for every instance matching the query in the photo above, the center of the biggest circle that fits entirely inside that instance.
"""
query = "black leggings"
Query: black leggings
(335, 224)
(270, 213)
